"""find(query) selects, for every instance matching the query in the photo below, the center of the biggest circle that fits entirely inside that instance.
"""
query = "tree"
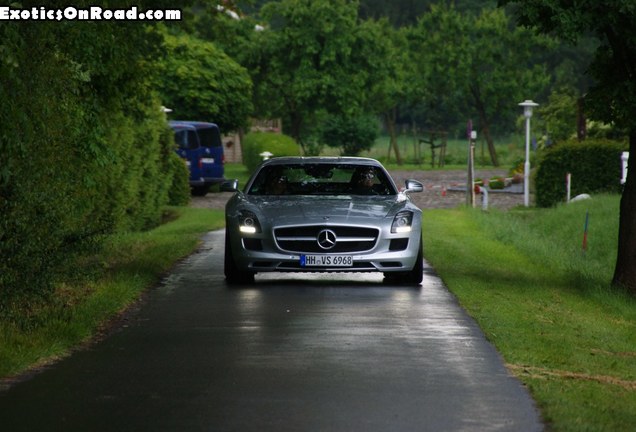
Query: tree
(481, 62)
(612, 98)
(384, 51)
(351, 134)
(200, 82)
(303, 63)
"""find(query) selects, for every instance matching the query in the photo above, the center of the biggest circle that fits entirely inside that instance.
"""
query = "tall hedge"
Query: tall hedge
(595, 166)
(255, 143)
(84, 149)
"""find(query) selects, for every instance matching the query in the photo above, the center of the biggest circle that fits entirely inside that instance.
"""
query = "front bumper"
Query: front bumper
(260, 253)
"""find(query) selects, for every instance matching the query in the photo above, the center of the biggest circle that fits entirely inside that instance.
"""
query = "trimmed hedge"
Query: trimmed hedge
(595, 166)
(255, 143)
(85, 150)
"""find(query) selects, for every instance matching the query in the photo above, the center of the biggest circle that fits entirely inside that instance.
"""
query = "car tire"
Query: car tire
(413, 277)
(233, 275)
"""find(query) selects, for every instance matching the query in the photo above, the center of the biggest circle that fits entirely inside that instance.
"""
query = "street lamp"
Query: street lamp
(527, 105)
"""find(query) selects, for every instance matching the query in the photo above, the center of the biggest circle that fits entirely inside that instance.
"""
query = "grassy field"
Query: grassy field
(547, 305)
(419, 156)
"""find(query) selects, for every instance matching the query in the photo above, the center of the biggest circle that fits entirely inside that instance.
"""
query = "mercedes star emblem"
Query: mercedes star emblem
(326, 239)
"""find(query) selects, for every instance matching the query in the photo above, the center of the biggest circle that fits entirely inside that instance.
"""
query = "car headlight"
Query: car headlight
(248, 222)
(402, 222)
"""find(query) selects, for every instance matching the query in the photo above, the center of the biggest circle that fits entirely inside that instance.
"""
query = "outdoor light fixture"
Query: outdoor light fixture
(527, 105)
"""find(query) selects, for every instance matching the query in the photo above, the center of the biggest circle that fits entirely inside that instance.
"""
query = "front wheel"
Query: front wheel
(233, 275)
(413, 277)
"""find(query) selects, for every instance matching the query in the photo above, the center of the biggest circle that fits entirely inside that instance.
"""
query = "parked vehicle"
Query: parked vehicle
(200, 145)
(322, 214)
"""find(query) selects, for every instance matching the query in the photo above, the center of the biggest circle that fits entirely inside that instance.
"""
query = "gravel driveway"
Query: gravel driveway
(439, 191)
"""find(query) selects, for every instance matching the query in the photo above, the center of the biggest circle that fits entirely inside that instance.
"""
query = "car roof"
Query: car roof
(181, 126)
(288, 160)
(194, 124)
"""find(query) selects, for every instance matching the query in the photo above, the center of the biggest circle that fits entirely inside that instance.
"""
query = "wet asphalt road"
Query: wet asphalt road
(290, 353)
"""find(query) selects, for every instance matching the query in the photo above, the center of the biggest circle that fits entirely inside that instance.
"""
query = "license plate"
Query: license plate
(326, 261)
(207, 160)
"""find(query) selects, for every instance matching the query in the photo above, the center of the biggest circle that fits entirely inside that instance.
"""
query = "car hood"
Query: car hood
(339, 209)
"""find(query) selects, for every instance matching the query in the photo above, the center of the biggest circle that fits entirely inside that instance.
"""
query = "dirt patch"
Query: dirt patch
(440, 191)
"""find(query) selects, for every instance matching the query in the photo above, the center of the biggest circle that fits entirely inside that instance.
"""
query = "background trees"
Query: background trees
(475, 67)
(305, 63)
(199, 81)
(612, 97)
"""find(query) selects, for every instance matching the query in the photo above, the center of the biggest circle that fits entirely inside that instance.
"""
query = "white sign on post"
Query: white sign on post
(624, 159)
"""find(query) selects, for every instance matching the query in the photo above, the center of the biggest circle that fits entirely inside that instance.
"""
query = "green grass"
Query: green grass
(509, 151)
(546, 305)
(128, 264)
(237, 171)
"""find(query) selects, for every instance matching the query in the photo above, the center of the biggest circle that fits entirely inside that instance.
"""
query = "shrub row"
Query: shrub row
(595, 166)
(255, 143)
(84, 149)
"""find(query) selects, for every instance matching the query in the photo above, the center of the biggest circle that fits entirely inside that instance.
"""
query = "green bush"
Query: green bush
(594, 164)
(496, 183)
(179, 192)
(84, 148)
(255, 143)
(352, 135)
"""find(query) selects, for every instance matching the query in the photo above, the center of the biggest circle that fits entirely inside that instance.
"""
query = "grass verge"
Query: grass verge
(128, 264)
(546, 305)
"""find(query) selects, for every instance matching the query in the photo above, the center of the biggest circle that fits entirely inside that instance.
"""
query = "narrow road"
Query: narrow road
(289, 353)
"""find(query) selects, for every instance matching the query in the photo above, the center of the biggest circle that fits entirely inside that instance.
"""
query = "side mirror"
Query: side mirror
(413, 186)
(230, 185)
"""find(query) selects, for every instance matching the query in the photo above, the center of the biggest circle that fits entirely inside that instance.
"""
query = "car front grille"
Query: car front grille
(304, 239)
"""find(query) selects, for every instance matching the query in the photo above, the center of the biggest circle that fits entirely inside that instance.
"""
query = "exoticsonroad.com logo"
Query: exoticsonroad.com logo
(92, 13)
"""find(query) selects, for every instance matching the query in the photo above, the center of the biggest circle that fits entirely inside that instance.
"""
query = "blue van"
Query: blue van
(200, 145)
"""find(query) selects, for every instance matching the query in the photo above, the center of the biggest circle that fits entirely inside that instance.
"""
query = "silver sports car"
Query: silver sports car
(322, 214)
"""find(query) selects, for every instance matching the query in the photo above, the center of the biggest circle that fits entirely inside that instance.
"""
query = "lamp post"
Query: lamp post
(527, 105)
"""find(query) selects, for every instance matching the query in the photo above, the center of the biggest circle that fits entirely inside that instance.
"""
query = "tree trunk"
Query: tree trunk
(625, 271)
(491, 144)
(581, 124)
(390, 125)
(485, 126)
(296, 122)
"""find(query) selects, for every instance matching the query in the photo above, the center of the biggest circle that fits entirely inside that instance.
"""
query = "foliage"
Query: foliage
(496, 183)
(84, 148)
(200, 82)
(306, 62)
(594, 165)
(612, 97)
(179, 190)
(256, 143)
(559, 116)
(481, 62)
(351, 135)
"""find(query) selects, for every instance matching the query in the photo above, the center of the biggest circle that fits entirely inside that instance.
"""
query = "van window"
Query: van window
(210, 137)
(186, 139)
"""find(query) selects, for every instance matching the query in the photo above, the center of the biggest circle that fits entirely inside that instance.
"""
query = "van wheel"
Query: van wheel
(200, 190)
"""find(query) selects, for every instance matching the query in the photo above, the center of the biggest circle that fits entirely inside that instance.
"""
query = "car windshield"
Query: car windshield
(322, 179)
